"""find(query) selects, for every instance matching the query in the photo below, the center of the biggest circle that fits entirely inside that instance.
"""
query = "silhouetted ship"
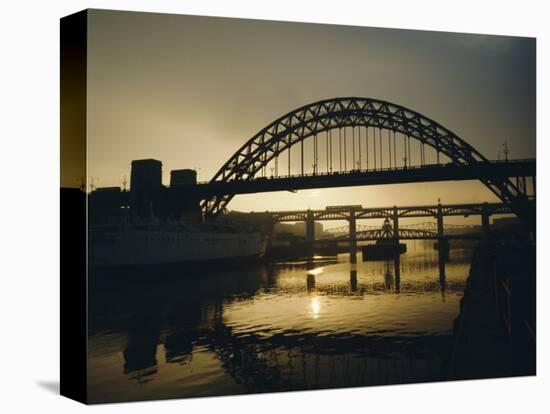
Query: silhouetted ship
(144, 234)
(154, 242)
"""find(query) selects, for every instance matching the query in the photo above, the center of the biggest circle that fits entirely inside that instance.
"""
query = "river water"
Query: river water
(291, 325)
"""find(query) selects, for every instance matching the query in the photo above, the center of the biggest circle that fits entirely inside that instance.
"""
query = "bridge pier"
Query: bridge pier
(352, 236)
(439, 221)
(310, 226)
(485, 223)
(442, 242)
(310, 282)
(395, 218)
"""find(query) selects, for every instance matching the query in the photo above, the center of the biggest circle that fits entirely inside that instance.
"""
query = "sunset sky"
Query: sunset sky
(189, 91)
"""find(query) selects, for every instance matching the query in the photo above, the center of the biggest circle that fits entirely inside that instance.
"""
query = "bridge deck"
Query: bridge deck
(429, 210)
(427, 173)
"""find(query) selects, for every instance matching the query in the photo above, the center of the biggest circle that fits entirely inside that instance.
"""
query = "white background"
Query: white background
(29, 207)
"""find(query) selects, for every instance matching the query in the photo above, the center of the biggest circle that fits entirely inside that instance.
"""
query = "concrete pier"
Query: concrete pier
(353, 236)
(485, 223)
(310, 226)
(395, 219)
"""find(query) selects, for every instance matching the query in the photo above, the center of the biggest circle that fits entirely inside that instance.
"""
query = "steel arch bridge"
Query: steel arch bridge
(400, 125)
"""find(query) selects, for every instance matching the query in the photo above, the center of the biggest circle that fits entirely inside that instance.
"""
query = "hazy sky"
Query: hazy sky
(190, 91)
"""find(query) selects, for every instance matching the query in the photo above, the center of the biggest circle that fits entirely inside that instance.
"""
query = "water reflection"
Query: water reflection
(315, 307)
(320, 322)
(397, 272)
(353, 280)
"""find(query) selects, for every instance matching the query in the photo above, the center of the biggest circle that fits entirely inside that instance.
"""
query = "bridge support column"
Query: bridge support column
(485, 223)
(310, 226)
(442, 242)
(269, 227)
(439, 221)
(352, 236)
(395, 219)
(310, 282)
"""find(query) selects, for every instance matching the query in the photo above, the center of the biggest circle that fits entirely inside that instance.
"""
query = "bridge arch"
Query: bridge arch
(328, 213)
(336, 113)
(369, 214)
(412, 212)
(465, 211)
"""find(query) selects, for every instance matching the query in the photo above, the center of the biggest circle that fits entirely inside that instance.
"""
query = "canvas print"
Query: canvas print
(257, 206)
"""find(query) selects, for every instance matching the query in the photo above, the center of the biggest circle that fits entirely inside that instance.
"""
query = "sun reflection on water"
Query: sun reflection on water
(315, 306)
(316, 271)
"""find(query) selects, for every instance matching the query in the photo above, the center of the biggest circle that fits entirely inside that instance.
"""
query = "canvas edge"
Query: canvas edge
(73, 207)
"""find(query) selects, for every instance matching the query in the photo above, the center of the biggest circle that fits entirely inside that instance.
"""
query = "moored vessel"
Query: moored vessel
(157, 242)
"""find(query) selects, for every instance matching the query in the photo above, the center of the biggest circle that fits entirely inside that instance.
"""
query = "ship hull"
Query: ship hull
(164, 247)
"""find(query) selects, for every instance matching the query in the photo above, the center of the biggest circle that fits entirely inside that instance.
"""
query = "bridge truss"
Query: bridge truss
(426, 228)
(383, 135)
(388, 212)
